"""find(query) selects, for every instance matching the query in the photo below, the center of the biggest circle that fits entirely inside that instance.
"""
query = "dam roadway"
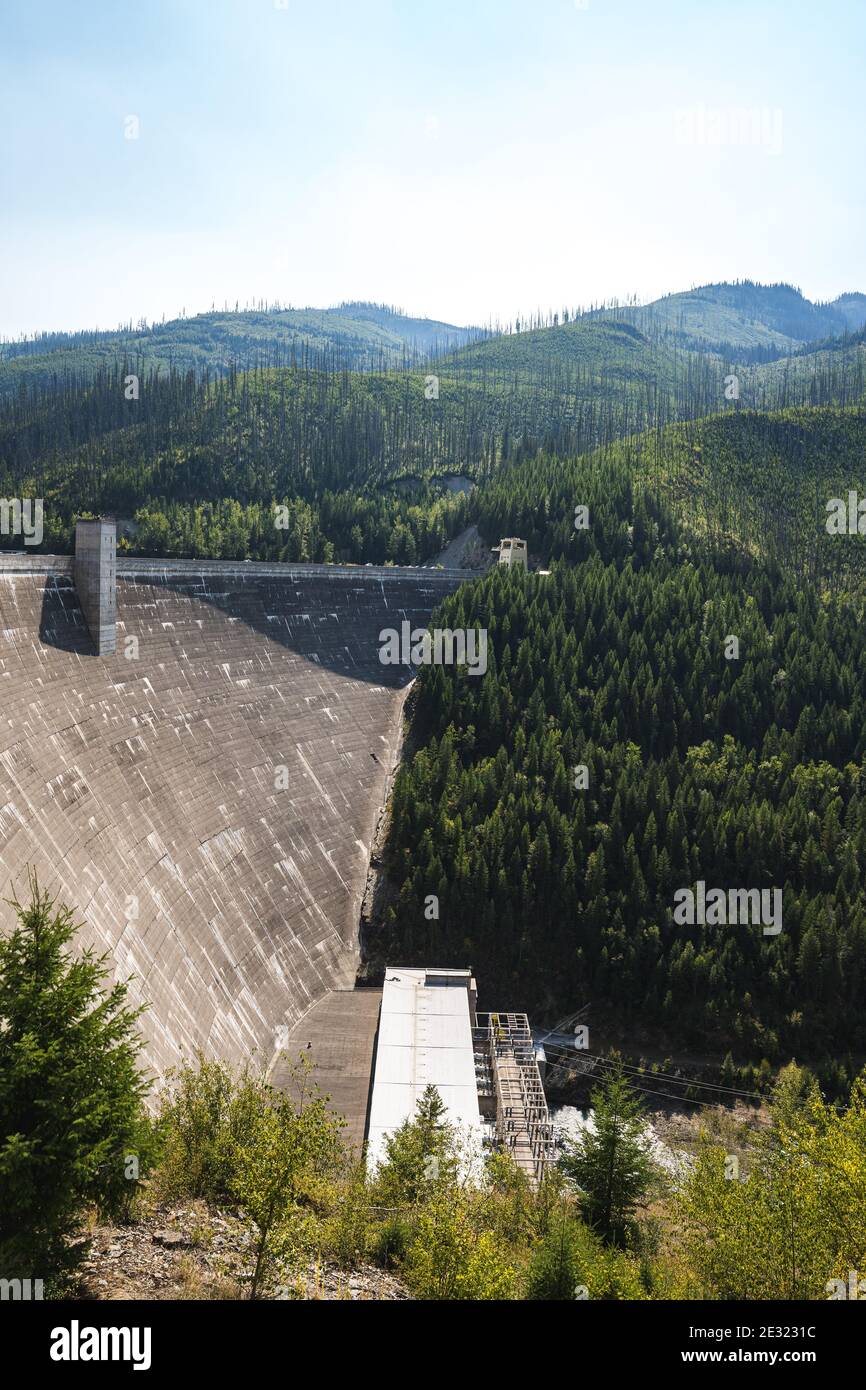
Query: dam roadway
(205, 798)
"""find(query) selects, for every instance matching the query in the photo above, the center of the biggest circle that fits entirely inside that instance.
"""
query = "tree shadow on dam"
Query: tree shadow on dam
(329, 616)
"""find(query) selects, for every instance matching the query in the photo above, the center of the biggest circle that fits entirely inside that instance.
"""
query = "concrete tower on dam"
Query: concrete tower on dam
(96, 579)
(205, 793)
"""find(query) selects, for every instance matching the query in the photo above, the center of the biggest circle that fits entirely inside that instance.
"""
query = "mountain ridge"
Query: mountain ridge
(357, 335)
(747, 319)
(743, 321)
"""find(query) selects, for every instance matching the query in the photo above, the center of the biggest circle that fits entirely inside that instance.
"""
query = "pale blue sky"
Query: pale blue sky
(466, 159)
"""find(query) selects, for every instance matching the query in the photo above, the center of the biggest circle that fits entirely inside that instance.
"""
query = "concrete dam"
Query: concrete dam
(205, 795)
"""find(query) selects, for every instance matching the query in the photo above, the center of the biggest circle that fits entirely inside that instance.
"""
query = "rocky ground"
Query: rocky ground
(682, 1131)
(191, 1252)
(466, 551)
(675, 1132)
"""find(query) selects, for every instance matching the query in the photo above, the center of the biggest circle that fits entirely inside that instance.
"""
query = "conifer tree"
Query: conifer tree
(610, 1161)
(72, 1128)
(420, 1156)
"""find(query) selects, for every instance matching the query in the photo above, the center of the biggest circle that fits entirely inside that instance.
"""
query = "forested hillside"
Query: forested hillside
(358, 336)
(741, 773)
(757, 481)
(200, 465)
(830, 372)
(211, 457)
(197, 462)
(763, 481)
(745, 321)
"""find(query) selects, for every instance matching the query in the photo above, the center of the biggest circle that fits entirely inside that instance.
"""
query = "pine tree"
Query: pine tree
(71, 1115)
(554, 1273)
(611, 1162)
(420, 1156)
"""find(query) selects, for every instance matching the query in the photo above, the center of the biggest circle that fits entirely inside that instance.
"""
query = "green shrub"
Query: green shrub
(202, 1116)
(451, 1258)
(558, 1262)
(391, 1242)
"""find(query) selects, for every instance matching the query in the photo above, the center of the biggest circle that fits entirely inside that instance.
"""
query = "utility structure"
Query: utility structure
(512, 552)
(484, 1067)
(95, 571)
(507, 1067)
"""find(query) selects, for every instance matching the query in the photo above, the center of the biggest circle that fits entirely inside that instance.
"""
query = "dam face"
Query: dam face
(205, 797)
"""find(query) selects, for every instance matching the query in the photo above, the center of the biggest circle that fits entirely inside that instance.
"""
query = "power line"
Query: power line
(646, 1090)
(705, 1085)
(664, 1076)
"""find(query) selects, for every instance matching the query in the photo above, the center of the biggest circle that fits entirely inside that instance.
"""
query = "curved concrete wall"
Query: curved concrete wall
(143, 787)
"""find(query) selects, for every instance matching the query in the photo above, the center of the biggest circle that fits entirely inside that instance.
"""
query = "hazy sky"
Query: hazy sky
(465, 159)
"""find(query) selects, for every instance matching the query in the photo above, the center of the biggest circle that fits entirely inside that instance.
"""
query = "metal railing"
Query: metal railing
(523, 1123)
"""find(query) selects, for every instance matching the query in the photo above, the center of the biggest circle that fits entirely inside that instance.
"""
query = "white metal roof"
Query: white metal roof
(425, 1038)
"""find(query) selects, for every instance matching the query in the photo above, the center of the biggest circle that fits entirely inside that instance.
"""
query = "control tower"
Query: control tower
(512, 551)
